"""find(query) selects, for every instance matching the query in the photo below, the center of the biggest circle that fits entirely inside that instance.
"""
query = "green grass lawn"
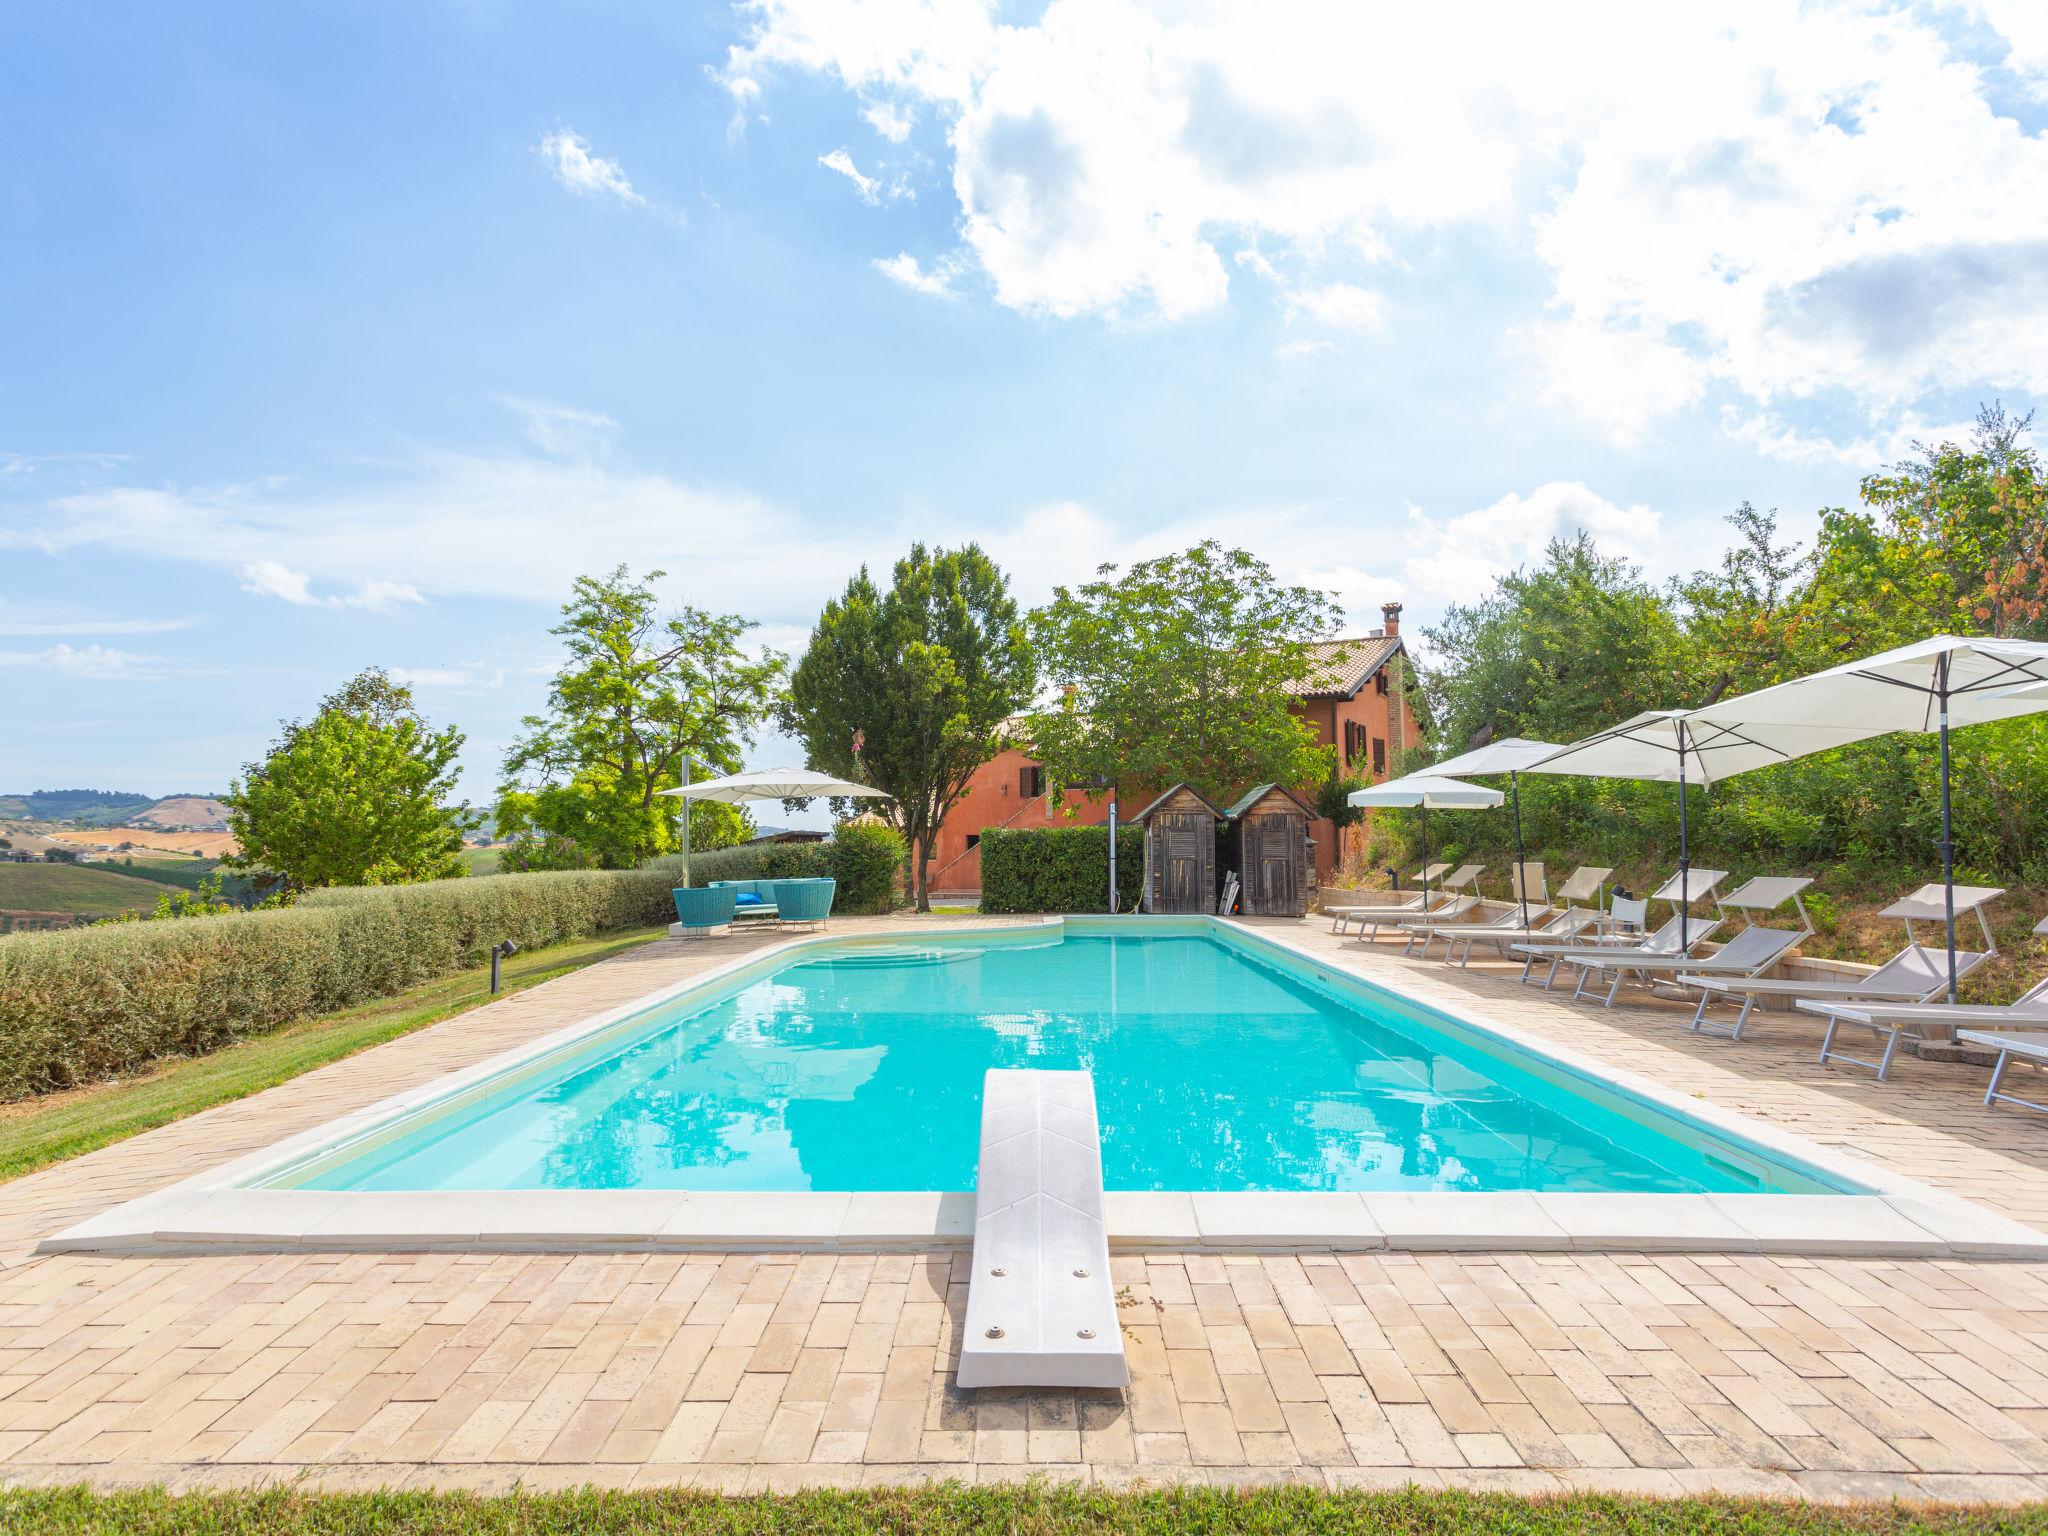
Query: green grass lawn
(483, 861)
(90, 889)
(36, 1132)
(1011, 1509)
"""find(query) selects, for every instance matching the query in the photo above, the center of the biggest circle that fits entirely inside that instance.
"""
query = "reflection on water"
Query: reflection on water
(1212, 1071)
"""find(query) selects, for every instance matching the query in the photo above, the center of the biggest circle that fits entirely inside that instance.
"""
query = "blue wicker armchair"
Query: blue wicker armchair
(702, 910)
(803, 901)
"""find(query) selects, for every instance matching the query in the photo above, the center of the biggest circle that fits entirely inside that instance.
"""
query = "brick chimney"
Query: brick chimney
(1391, 614)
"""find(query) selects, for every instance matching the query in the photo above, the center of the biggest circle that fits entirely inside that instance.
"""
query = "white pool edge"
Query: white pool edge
(217, 1210)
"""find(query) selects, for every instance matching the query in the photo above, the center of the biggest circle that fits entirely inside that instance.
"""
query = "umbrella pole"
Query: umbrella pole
(1948, 843)
(686, 825)
(1425, 855)
(1521, 881)
(1684, 862)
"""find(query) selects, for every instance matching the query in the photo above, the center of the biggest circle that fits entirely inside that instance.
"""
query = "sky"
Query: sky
(344, 336)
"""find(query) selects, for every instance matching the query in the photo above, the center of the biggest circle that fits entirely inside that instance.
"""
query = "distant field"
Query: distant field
(483, 861)
(184, 873)
(73, 888)
(207, 844)
(183, 811)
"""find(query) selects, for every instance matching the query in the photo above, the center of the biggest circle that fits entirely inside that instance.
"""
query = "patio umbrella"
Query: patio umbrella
(1931, 685)
(1427, 790)
(1510, 755)
(765, 784)
(1685, 746)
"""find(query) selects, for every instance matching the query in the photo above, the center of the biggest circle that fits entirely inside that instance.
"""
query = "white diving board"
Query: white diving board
(1041, 1311)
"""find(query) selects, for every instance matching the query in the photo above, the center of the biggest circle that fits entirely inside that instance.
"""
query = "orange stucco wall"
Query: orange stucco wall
(995, 796)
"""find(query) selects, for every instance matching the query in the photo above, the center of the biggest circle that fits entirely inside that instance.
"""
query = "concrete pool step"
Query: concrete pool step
(1041, 1311)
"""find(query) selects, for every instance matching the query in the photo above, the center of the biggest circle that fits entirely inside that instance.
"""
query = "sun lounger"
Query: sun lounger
(2030, 1047)
(1452, 910)
(1414, 903)
(1892, 1022)
(1544, 925)
(1916, 974)
(1633, 914)
(1750, 953)
(1441, 903)
(1424, 931)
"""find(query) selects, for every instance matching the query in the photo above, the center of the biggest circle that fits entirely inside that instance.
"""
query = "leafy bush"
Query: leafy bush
(750, 861)
(1060, 869)
(865, 858)
(78, 1006)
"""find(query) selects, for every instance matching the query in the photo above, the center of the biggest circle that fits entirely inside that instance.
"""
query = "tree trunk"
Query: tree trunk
(924, 873)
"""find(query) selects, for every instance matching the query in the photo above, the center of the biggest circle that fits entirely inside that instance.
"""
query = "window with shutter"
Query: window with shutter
(1031, 782)
(1379, 755)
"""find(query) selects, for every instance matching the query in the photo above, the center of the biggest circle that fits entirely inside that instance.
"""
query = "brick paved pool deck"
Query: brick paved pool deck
(1819, 1378)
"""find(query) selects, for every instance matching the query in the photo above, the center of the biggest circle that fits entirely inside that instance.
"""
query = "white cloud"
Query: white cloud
(1343, 306)
(564, 430)
(842, 162)
(1304, 346)
(273, 578)
(904, 268)
(1825, 199)
(1456, 560)
(91, 661)
(31, 623)
(584, 173)
(888, 120)
(469, 678)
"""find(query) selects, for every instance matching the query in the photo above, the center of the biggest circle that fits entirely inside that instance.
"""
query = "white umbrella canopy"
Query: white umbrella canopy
(1694, 746)
(775, 784)
(1673, 746)
(1931, 685)
(764, 784)
(1430, 791)
(1510, 755)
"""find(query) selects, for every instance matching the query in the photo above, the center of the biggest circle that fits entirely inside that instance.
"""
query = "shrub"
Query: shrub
(749, 861)
(76, 1007)
(1060, 869)
(866, 859)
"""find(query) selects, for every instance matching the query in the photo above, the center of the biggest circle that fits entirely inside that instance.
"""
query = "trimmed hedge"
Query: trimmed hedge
(1060, 869)
(79, 1006)
(864, 858)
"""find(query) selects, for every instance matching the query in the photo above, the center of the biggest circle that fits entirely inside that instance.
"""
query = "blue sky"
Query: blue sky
(348, 336)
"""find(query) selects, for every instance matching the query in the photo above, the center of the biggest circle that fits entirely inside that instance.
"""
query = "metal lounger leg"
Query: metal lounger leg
(1611, 991)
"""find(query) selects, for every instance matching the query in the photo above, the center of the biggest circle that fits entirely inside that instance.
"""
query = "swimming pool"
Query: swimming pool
(1219, 1064)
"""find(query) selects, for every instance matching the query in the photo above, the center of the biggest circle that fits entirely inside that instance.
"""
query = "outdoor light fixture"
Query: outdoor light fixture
(498, 953)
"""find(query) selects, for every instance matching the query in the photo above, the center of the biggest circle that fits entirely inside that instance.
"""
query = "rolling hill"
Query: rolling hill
(75, 888)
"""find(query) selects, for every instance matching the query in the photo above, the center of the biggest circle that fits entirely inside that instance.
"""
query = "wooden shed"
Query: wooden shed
(1180, 852)
(1267, 844)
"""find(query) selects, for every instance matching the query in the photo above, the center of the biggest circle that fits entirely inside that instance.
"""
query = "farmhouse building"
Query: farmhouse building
(1355, 696)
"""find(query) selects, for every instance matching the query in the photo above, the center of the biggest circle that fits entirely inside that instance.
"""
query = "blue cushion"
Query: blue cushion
(747, 899)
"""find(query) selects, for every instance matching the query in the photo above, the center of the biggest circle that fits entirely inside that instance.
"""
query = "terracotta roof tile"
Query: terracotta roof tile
(1339, 668)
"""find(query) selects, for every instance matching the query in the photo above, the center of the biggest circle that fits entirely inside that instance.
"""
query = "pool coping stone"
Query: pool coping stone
(221, 1209)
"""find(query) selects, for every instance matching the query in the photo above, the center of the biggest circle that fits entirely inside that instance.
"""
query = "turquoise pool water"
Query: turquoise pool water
(1215, 1068)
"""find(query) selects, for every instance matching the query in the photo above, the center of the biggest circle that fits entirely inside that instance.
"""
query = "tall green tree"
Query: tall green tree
(1181, 668)
(361, 794)
(1748, 622)
(1553, 652)
(907, 690)
(641, 691)
(1954, 541)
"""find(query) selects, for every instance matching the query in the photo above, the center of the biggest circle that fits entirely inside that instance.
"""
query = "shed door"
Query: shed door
(1273, 850)
(1186, 845)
